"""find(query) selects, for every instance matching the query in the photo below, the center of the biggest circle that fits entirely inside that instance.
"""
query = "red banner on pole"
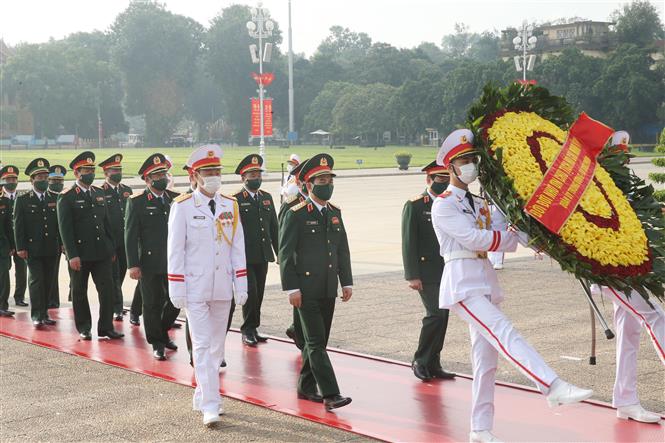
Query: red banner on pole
(256, 117)
(567, 179)
(263, 79)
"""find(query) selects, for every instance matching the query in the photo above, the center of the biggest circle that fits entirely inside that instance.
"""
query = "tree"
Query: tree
(62, 82)
(638, 23)
(156, 51)
(363, 111)
(483, 47)
(230, 65)
(384, 64)
(418, 103)
(631, 91)
(344, 46)
(572, 75)
(319, 115)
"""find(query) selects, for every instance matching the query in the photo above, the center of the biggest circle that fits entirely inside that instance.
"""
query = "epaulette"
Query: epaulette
(181, 198)
(415, 198)
(71, 188)
(95, 187)
(291, 199)
(136, 195)
(335, 206)
(299, 206)
(230, 197)
(445, 194)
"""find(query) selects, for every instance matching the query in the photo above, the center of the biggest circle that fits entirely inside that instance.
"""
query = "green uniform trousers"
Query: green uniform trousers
(20, 278)
(39, 284)
(102, 276)
(316, 316)
(433, 331)
(119, 271)
(5, 265)
(158, 311)
(54, 294)
(256, 285)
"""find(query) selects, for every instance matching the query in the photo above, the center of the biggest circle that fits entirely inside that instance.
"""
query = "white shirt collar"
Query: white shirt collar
(318, 206)
(432, 196)
(37, 193)
(82, 186)
(460, 193)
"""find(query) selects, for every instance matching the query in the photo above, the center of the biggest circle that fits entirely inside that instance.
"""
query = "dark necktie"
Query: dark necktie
(211, 203)
(469, 197)
(41, 198)
(324, 213)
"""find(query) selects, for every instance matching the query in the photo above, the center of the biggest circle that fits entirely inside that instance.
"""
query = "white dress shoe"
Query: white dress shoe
(210, 418)
(498, 266)
(482, 437)
(637, 413)
(562, 393)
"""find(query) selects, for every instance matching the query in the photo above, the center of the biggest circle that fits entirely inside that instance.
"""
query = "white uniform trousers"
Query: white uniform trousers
(207, 326)
(630, 315)
(493, 333)
(496, 258)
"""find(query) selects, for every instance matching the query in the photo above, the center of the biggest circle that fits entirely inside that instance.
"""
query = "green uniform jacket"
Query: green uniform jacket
(146, 231)
(420, 247)
(6, 231)
(36, 225)
(288, 204)
(84, 224)
(313, 255)
(116, 202)
(259, 223)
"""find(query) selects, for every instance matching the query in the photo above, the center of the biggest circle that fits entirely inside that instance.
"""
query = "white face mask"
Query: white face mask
(289, 167)
(468, 173)
(212, 184)
(291, 189)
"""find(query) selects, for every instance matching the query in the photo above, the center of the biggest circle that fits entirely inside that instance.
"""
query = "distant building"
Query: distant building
(592, 38)
(16, 118)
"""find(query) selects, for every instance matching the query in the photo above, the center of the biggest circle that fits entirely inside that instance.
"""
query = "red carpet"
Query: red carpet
(388, 402)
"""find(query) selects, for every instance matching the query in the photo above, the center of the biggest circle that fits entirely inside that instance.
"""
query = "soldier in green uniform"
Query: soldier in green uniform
(423, 267)
(294, 332)
(56, 183)
(116, 195)
(259, 223)
(85, 231)
(10, 181)
(314, 258)
(37, 238)
(6, 247)
(146, 234)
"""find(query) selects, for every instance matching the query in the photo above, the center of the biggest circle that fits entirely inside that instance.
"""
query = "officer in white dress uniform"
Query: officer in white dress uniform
(631, 314)
(289, 184)
(470, 289)
(206, 268)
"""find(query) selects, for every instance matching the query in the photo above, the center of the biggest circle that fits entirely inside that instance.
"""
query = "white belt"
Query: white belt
(458, 255)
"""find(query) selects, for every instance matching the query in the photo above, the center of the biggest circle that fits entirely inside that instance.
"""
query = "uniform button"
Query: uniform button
(94, 216)
(306, 273)
(330, 266)
(97, 238)
(44, 218)
(330, 253)
(262, 229)
(263, 239)
(328, 241)
(149, 252)
(79, 241)
(97, 226)
(260, 219)
(313, 230)
(46, 234)
(46, 226)
(422, 258)
(30, 240)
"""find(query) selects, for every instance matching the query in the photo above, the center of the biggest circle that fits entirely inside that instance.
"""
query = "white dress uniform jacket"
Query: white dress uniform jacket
(464, 237)
(206, 254)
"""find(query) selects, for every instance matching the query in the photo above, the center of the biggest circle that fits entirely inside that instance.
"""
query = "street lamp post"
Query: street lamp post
(525, 41)
(260, 27)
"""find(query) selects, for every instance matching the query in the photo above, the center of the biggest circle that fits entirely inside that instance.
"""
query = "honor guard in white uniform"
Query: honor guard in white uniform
(631, 314)
(206, 268)
(470, 288)
(289, 183)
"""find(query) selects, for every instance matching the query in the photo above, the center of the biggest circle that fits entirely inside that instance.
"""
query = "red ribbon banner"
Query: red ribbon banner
(567, 179)
(256, 117)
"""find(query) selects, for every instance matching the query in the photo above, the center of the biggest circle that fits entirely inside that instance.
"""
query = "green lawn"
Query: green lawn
(134, 157)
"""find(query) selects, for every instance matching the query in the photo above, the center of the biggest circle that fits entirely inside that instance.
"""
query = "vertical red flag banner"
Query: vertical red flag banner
(267, 116)
(567, 179)
(256, 117)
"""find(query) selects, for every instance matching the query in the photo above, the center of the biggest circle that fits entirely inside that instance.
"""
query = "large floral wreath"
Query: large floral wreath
(614, 237)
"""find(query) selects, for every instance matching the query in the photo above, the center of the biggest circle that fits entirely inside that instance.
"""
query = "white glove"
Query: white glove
(179, 302)
(240, 298)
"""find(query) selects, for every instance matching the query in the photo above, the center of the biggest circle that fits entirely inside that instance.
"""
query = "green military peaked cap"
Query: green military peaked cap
(84, 159)
(155, 163)
(37, 166)
(253, 162)
(320, 164)
(113, 161)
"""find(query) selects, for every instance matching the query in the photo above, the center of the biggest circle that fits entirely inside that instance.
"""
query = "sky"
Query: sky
(402, 23)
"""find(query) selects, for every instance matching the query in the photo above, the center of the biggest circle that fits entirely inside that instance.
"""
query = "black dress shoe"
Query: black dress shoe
(291, 333)
(335, 401)
(37, 323)
(315, 397)
(85, 335)
(223, 365)
(6, 313)
(442, 374)
(49, 321)
(260, 338)
(175, 325)
(111, 334)
(118, 317)
(21, 303)
(249, 340)
(421, 371)
(159, 354)
(134, 319)
(171, 345)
